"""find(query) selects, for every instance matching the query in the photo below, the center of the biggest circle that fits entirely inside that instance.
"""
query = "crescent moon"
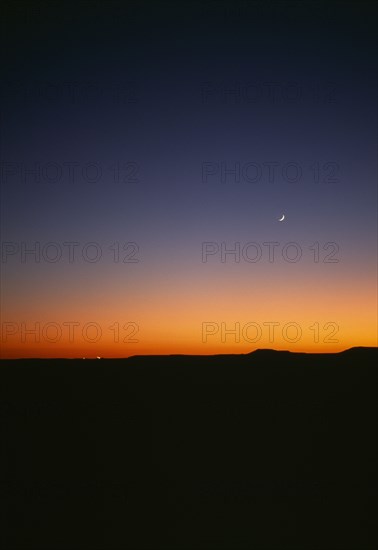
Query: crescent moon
(282, 219)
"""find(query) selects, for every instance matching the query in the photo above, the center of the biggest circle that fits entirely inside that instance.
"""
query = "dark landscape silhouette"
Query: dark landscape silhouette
(263, 450)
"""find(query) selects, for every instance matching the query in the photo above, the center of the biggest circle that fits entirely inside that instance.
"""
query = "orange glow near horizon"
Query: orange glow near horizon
(212, 319)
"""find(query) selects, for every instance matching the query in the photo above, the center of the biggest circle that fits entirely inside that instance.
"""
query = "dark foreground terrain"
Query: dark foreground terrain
(268, 450)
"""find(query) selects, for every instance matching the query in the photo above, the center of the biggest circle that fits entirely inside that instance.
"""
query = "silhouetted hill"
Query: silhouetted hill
(266, 450)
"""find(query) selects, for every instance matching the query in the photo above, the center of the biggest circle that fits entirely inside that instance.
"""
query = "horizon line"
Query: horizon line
(96, 358)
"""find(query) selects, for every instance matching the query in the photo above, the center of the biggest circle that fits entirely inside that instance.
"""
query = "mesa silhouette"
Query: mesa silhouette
(270, 449)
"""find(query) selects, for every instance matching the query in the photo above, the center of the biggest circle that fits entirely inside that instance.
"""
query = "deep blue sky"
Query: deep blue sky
(144, 85)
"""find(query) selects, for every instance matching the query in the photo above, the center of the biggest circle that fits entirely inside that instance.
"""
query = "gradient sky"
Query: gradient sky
(133, 115)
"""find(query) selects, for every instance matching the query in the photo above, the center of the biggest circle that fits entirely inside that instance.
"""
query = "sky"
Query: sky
(148, 151)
